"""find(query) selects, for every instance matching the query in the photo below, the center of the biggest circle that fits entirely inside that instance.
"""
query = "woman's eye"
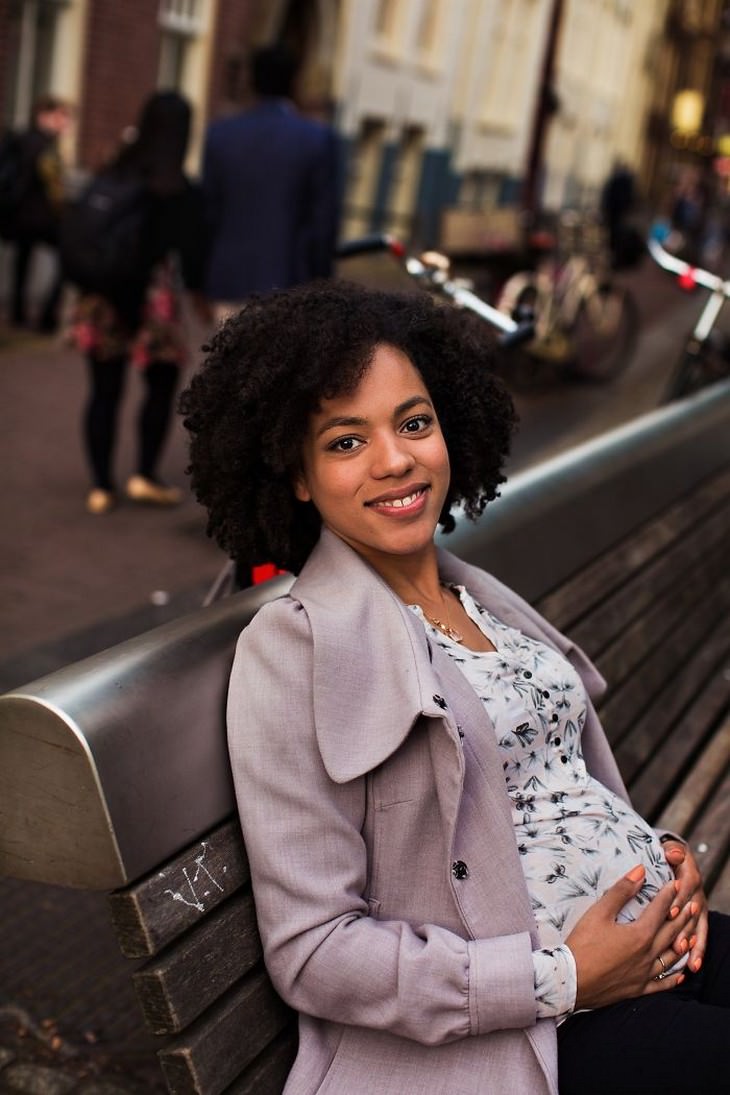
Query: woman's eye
(418, 423)
(345, 444)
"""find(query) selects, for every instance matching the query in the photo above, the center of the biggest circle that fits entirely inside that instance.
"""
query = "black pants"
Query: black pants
(107, 380)
(48, 319)
(673, 1043)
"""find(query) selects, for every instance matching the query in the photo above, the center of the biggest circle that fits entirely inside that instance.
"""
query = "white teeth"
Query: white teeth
(399, 503)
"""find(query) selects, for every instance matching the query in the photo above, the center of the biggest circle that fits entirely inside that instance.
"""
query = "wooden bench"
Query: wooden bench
(623, 543)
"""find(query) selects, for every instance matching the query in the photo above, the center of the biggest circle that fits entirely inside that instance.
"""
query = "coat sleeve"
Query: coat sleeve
(309, 869)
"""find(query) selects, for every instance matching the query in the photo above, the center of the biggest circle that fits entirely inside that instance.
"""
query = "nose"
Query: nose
(391, 456)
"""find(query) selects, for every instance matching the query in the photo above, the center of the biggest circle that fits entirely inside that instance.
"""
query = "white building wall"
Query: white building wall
(603, 84)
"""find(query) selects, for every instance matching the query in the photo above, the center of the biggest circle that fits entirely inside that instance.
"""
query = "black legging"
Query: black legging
(102, 411)
(670, 1043)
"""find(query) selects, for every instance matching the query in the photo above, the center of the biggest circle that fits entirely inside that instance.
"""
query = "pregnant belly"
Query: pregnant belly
(571, 859)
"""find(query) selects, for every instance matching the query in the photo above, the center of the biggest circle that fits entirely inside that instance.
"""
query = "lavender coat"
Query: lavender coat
(365, 767)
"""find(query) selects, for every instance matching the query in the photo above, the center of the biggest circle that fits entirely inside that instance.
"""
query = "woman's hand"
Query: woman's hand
(680, 858)
(617, 961)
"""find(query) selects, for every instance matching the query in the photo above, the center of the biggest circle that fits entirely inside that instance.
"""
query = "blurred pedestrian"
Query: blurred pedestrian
(138, 320)
(270, 187)
(618, 202)
(36, 208)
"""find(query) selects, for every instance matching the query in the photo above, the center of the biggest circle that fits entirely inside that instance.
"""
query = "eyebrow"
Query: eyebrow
(344, 420)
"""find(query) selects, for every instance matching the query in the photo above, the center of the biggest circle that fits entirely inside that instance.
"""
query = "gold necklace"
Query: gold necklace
(445, 628)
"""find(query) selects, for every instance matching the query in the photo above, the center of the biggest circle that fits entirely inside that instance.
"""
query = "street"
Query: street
(73, 584)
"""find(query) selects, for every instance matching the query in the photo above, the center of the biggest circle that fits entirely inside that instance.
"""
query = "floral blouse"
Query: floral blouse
(575, 837)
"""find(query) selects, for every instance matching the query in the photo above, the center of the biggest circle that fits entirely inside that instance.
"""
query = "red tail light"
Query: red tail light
(396, 248)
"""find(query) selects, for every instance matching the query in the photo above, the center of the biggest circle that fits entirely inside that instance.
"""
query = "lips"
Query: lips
(396, 501)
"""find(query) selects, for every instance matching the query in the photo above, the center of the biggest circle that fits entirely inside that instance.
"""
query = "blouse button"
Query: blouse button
(527, 674)
(546, 694)
(554, 718)
(459, 869)
(563, 759)
(556, 741)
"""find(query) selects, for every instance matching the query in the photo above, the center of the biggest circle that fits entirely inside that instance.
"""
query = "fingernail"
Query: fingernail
(635, 873)
(693, 940)
(694, 908)
(683, 946)
(696, 964)
(674, 911)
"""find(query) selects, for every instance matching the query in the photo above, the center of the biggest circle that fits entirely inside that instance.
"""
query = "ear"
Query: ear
(301, 490)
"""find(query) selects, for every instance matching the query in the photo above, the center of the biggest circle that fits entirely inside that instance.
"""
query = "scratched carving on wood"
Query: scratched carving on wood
(198, 882)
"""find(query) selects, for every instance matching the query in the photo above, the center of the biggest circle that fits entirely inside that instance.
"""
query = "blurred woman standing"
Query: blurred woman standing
(138, 320)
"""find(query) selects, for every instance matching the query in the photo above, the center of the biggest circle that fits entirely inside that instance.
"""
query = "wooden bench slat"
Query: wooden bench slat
(675, 751)
(673, 703)
(710, 838)
(215, 1049)
(152, 912)
(578, 596)
(649, 583)
(684, 628)
(679, 814)
(649, 632)
(184, 980)
(267, 1074)
(625, 705)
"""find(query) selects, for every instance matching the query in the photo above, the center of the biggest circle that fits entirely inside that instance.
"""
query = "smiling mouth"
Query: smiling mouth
(399, 503)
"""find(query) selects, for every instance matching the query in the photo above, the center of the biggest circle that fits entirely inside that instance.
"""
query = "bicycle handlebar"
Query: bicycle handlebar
(674, 265)
(436, 277)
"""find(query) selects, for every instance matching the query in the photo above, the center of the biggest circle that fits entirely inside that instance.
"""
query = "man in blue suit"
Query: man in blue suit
(270, 187)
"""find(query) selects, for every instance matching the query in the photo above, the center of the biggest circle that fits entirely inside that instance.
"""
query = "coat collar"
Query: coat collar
(373, 664)
(372, 668)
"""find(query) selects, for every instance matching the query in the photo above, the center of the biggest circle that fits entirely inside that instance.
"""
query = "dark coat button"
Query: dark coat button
(459, 869)
(441, 702)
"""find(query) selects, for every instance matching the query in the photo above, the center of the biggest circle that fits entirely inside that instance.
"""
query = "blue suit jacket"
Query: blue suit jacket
(271, 194)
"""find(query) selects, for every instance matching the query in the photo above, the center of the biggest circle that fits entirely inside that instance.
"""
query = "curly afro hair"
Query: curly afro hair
(271, 366)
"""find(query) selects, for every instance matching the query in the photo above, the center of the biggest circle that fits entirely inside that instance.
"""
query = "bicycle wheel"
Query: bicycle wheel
(605, 334)
(528, 369)
(699, 365)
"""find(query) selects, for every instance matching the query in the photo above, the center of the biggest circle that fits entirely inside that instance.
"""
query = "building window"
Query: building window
(363, 177)
(389, 27)
(31, 63)
(505, 84)
(183, 23)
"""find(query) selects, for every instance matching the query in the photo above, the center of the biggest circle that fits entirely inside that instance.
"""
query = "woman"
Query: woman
(449, 878)
(138, 321)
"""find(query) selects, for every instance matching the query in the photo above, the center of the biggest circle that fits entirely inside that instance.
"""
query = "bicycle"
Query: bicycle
(705, 356)
(586, 326)
(431, 270)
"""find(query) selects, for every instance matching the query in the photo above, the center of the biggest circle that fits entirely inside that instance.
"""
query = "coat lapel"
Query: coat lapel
(370, 660)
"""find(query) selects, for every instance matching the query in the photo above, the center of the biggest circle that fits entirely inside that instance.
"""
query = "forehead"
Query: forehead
(389, 378)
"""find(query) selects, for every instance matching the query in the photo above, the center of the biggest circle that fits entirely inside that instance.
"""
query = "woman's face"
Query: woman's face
(375, 463)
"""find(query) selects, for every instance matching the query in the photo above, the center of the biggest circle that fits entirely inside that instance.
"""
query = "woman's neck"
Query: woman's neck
(414, 579)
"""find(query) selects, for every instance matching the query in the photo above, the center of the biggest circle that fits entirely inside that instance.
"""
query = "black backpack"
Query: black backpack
(11, 181)
(102, 235)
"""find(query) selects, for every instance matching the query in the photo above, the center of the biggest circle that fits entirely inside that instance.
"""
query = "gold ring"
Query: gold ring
(665, 971)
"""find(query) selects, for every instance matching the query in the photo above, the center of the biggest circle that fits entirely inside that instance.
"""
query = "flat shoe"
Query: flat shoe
(141, 489)
(99, 501)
